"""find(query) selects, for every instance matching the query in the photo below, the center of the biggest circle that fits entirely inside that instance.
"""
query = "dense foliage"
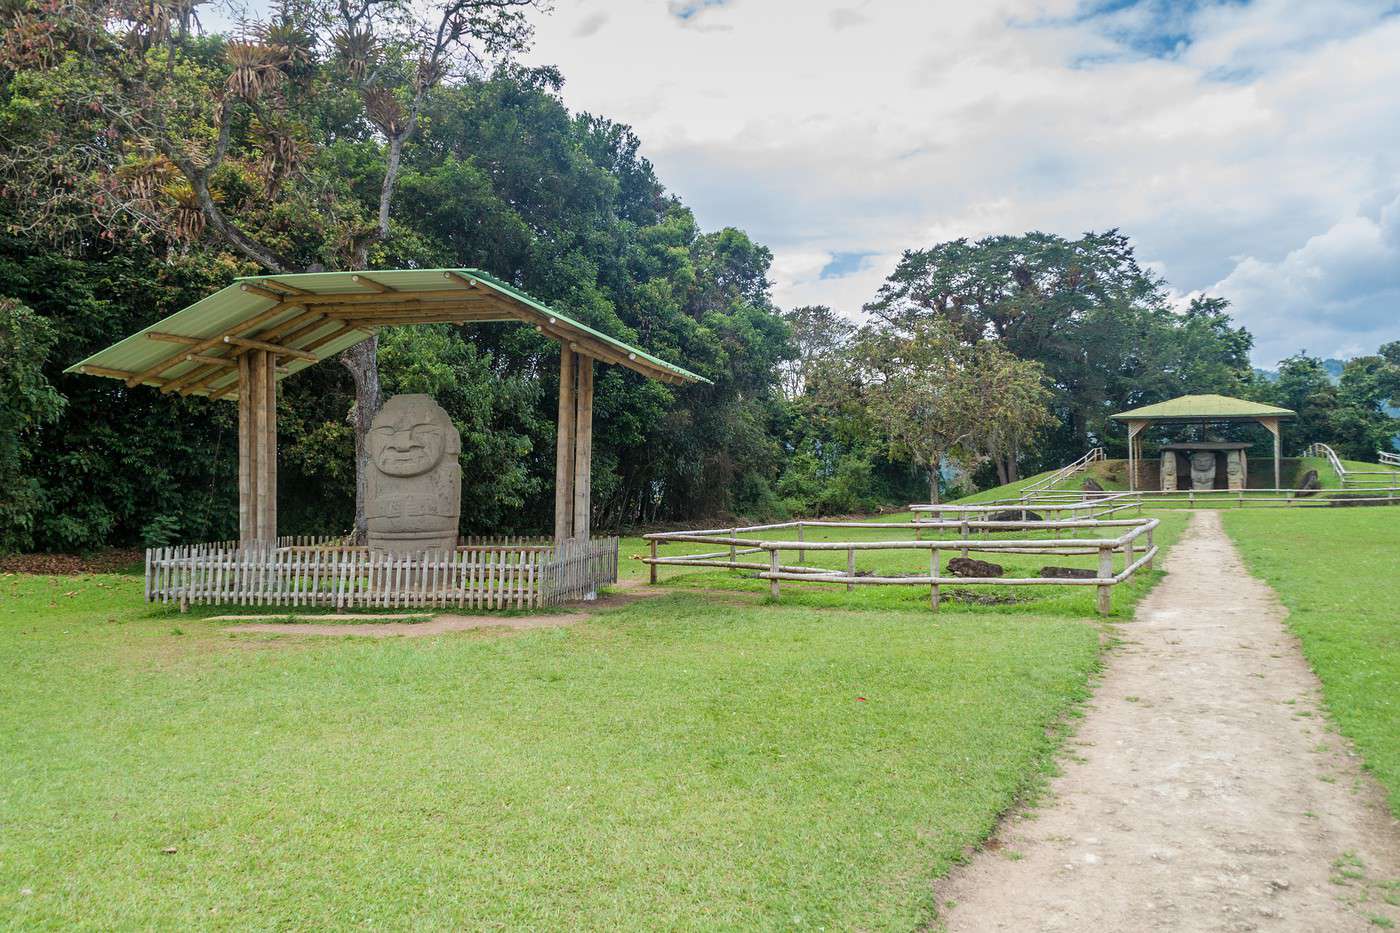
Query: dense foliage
(148, 173)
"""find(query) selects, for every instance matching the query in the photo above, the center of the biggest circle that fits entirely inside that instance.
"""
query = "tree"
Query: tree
(914, 389)
(27, 402)
(1102, 326)
(1012, 404)
(819, 336)
(155, 129)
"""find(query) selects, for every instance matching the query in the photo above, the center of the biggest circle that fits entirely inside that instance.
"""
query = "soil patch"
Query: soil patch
(112, 560)
(416, 627)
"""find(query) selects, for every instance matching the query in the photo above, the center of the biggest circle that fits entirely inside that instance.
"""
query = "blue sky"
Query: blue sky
(1252, 149)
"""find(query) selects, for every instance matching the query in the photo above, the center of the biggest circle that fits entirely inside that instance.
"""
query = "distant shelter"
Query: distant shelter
(1205, 461)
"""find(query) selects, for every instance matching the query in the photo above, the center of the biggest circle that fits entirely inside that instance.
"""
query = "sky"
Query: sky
(1250, 148)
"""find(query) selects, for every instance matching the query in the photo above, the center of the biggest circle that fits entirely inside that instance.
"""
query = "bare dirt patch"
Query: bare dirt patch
(452, 622)
(113, 560)
(1204, 790)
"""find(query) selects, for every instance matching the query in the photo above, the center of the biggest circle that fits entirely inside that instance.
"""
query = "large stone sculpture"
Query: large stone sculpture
(1203, 469)
(414, 485)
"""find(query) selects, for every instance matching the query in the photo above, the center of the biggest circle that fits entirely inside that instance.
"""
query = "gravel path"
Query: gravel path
(1203, 789)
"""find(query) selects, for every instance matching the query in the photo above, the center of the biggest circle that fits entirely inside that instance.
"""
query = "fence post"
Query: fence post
(653, 564)
(773, 565)
(963, 532)
(801, 551)
(933, 595)
(850, 567)
(733, 549)
(1105, 589)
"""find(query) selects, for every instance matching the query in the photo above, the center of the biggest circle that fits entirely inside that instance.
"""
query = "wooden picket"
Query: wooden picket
(502, 573)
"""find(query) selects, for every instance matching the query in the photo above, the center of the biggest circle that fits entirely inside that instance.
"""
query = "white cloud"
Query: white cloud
(840, 127)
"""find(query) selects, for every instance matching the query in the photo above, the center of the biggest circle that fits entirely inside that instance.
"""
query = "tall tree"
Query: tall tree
(1101, 325)
(159, 129)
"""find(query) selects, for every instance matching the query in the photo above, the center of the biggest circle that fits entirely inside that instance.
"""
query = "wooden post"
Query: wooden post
(963, 533)
(933, 572)
(583, 446)
(267, 458)
(653, 565)
(802, 551)
(1150, 560)
(1273, 425)
(850, 567)
(564, 454)
(773, 566)
(1105, 572)
(247, 456)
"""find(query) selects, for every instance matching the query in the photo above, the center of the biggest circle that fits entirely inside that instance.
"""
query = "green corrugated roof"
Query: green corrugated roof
(1195, 407)
(223, 310)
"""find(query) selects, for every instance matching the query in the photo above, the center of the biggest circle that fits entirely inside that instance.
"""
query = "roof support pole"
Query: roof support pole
(247, 456)
(268, 460)
(1273, 425)
(583, 446)
(262, 393)
(564, 448)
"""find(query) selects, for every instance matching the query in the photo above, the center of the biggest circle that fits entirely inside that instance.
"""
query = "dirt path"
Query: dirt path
(1204, 790)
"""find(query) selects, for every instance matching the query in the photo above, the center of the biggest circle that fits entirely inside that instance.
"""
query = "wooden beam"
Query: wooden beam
(171, 338)
(291, 289)
(583, 447)
(263, 292)
(92, 370)
(211, 342)
(272, 348)
(212, 360)
(368, 282)
(198, 374)
(564, 452)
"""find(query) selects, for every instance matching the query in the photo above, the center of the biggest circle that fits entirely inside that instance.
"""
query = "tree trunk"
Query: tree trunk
(1013, 466)
(1000, 461)
(933, 484)
(363, 362)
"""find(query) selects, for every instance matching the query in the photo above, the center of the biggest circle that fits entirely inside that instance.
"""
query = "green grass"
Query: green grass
(1336, 571)
(691, 761)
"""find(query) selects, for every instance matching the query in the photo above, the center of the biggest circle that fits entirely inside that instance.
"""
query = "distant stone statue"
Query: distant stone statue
(1203, 469)
(414, 486)
(1235, 469)
(1168, 469)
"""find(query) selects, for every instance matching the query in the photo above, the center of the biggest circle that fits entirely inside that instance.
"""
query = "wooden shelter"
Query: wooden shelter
(237, 343)
(1203, 410)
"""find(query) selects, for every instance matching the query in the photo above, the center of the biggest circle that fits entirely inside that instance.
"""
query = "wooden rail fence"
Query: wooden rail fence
(734, 544)
(479, 575)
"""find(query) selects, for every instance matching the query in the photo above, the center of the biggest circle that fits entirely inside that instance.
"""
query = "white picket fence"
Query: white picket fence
(475, 576)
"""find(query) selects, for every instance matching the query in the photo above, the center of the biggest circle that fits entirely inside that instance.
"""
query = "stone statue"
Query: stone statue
(1234, 468)
(1203, 469)
(414, 484)
(1168, 469)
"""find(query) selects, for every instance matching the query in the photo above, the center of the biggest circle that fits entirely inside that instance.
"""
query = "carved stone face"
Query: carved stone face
(408, 439)
(1202, 468)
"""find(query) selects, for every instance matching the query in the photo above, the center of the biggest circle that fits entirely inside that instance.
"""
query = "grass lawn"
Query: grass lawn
(692, 760)
(1338, 571)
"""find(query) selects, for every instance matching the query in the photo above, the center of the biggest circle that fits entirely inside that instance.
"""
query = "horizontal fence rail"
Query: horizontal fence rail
(1131, 538)
(481, 575)
(1388, 459)
(1237, 498)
